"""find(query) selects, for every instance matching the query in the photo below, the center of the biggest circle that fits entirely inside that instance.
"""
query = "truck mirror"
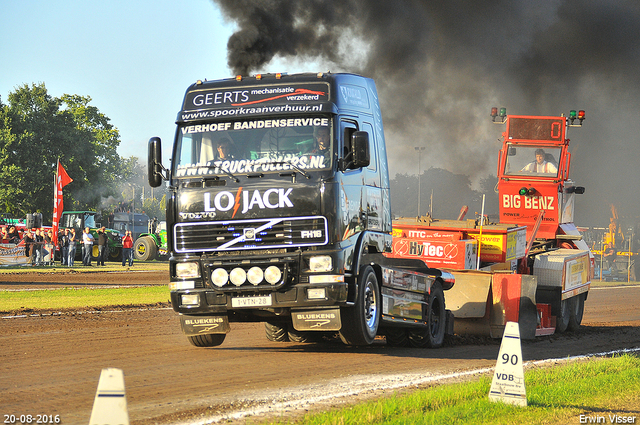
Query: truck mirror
(360, 146)
(154, 162)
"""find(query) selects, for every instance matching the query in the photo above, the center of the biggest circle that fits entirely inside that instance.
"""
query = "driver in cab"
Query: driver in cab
(540, 165)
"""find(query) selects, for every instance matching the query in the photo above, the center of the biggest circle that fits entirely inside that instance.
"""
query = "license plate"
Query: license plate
(260, 301)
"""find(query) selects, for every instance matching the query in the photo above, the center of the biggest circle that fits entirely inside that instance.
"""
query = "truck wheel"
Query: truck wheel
(562, 320)
(115, 254)
(360, 322)
(276, 331)
(208, 340)
(577, 311)
(302, 337)
(433, 336)
(397, 337)
(144, 249)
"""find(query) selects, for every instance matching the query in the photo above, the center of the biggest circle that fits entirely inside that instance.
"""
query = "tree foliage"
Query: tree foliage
(37, 129)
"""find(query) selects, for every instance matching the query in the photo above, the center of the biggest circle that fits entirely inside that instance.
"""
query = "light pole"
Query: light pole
(419, 149)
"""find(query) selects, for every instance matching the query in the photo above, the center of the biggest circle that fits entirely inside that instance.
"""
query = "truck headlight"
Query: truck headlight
(255, 275)
(185, 270)
(320, 263)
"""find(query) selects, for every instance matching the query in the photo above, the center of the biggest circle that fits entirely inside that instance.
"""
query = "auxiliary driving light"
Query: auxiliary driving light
(219, 277)
(272, 275)
(255, 275)
(238, 276)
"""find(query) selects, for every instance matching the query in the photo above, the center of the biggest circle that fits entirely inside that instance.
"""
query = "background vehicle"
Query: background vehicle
(534, 268)
(137, 223)
(277, 227)
(92, 219)
(152, 245)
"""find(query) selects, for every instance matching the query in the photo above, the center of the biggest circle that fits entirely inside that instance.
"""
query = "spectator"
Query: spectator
(102, 245)
(127, 249)
(39, 237)
(72, 247)
(87, 246)
(12, 235)
(28, 245)
(63, 241)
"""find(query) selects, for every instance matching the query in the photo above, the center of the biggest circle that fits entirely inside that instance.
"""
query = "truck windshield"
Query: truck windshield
(254, 146)
(527, 160)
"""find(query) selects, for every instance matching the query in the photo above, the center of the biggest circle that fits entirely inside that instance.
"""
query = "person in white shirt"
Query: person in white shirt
(540, 165)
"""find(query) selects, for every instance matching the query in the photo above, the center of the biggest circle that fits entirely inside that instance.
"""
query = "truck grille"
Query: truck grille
(281, 232)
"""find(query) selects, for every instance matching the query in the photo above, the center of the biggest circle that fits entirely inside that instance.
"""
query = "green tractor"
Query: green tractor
(93, 220)
(152, 245)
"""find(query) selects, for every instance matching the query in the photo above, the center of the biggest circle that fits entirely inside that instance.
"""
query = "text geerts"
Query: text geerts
(528, 202)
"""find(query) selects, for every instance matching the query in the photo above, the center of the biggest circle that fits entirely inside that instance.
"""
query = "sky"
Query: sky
(439, 66)
(134, 59)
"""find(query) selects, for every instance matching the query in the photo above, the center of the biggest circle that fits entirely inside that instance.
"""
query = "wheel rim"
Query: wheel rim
(370, 306)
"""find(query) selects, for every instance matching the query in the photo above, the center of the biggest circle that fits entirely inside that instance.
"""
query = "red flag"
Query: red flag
(62, 179)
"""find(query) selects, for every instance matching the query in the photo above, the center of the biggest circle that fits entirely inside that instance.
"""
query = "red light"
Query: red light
(258, 76)
(278, 75)
(581, 115)
(238, 77)
(494, 112)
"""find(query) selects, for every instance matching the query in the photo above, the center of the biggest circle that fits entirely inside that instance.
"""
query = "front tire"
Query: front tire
(208, 340)
(360, 322)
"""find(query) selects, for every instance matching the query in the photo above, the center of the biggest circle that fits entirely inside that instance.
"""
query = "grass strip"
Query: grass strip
(70, 298)
(597, 387)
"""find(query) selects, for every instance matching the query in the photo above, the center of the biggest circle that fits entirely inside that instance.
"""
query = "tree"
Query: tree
(36, 130)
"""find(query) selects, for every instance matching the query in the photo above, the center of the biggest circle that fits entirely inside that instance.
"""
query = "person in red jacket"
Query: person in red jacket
(127, 249)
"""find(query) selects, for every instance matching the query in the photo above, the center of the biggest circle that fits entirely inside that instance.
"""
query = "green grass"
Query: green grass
(72, 298)
(556, 395)
(79, 268)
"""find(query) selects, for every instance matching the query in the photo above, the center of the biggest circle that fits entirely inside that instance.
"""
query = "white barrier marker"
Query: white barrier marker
(508, 379)
(110, 405)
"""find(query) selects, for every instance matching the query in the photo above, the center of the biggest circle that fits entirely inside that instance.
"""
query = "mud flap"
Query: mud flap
(317, 320)
(203, 325)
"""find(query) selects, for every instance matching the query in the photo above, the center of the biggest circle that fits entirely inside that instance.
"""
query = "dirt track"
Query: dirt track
(50, 364)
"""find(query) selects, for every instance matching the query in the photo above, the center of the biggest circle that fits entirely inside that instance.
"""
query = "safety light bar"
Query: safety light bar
(502, 114)
(580, 116)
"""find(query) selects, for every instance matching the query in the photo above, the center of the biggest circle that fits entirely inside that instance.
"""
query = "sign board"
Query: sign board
(507, 385)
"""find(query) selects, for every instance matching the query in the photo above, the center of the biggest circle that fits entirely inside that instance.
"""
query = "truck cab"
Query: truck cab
(279, 205)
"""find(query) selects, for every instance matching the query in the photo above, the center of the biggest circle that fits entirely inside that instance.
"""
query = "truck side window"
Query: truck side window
(348, 128)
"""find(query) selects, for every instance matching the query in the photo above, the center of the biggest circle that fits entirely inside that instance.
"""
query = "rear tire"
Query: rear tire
(144, 249)
(433, 336)
(208, 340)
(360, 322)
(276, 331)
(577, 311)
(397, 337)
(562, 320)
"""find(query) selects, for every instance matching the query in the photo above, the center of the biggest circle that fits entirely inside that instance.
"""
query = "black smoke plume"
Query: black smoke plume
(441, 65)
